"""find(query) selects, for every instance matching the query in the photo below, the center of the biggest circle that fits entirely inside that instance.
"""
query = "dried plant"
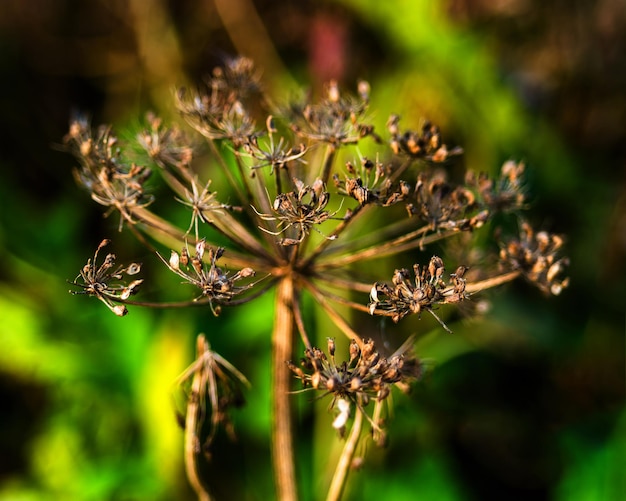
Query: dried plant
(295, 235)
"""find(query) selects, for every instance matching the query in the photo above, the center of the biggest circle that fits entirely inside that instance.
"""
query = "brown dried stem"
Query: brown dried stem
(192, 441)
(282, 439)
(473, 287)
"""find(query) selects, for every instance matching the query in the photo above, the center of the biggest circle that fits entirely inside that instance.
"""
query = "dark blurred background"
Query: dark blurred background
(527, 403)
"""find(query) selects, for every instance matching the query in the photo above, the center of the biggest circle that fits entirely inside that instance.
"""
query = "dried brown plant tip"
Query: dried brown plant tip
(426, 144)
(217, 118)
(404, 296)
(337, 119)
(536, 256)
(202, 202)
(506, 193)
(218, 110)
(213, 386)
(219, 388)
(104, 281)
(300, 209)
(365, 376)
(111, 182)
(444, 206)
(273, 154)
(217, 286)
(372, 184)
(166, 145)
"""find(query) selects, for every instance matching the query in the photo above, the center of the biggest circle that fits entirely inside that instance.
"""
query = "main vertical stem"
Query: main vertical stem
(282, 438)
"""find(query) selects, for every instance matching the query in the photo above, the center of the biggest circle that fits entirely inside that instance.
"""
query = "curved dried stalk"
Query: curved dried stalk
(334, 316)
(191, 438)
(340, 477)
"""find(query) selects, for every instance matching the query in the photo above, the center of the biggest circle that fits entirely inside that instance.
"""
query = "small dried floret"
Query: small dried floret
(301, 209)
(104, 281)
(238, 77)
(426, 144)
(536, 256)
(366, 376)
(111, 182)
(166, 145)
(445, 206)
(371, 184)
(274, 154)
(337, 119)
(405, 297)
(217, 285)
(202, 202)
(217, 115)
(506, 193)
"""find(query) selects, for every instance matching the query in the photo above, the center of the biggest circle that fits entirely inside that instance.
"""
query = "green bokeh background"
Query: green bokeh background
(527, 403)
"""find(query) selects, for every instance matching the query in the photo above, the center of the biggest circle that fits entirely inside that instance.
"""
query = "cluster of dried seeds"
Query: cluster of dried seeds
(216, 285)
(426, 144)
(104, 281)
(405, 296)
(301, 209)
(112, 182)
(372, 184)
(536, 256)
(365, 376)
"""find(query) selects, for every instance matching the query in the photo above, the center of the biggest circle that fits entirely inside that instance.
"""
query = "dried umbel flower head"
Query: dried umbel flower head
(104, 281)
(425, 144)
(373, 184)
(313, 222)
(217, 286)
(446, 206)
(165, 145)
(221, 112)
(270, 153)
(213, 387)
(337, 119)
(405, 296)
(300, 209)
(506, 193)
(366, 375)
(536, 256)
(112, 183)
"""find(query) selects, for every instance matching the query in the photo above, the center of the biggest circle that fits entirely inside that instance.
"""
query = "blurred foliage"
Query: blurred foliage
(524, 403)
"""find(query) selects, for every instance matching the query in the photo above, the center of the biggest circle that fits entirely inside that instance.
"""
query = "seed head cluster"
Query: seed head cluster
(405, 296)
(366, 375)
(536, 256)
(105, 281)
(217, 286)
(112, 182)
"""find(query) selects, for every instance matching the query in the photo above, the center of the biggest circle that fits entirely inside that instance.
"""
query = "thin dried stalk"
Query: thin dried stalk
(192, 440)
(345, 460)
(388, 248)
(334, 316)
(474, 287)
